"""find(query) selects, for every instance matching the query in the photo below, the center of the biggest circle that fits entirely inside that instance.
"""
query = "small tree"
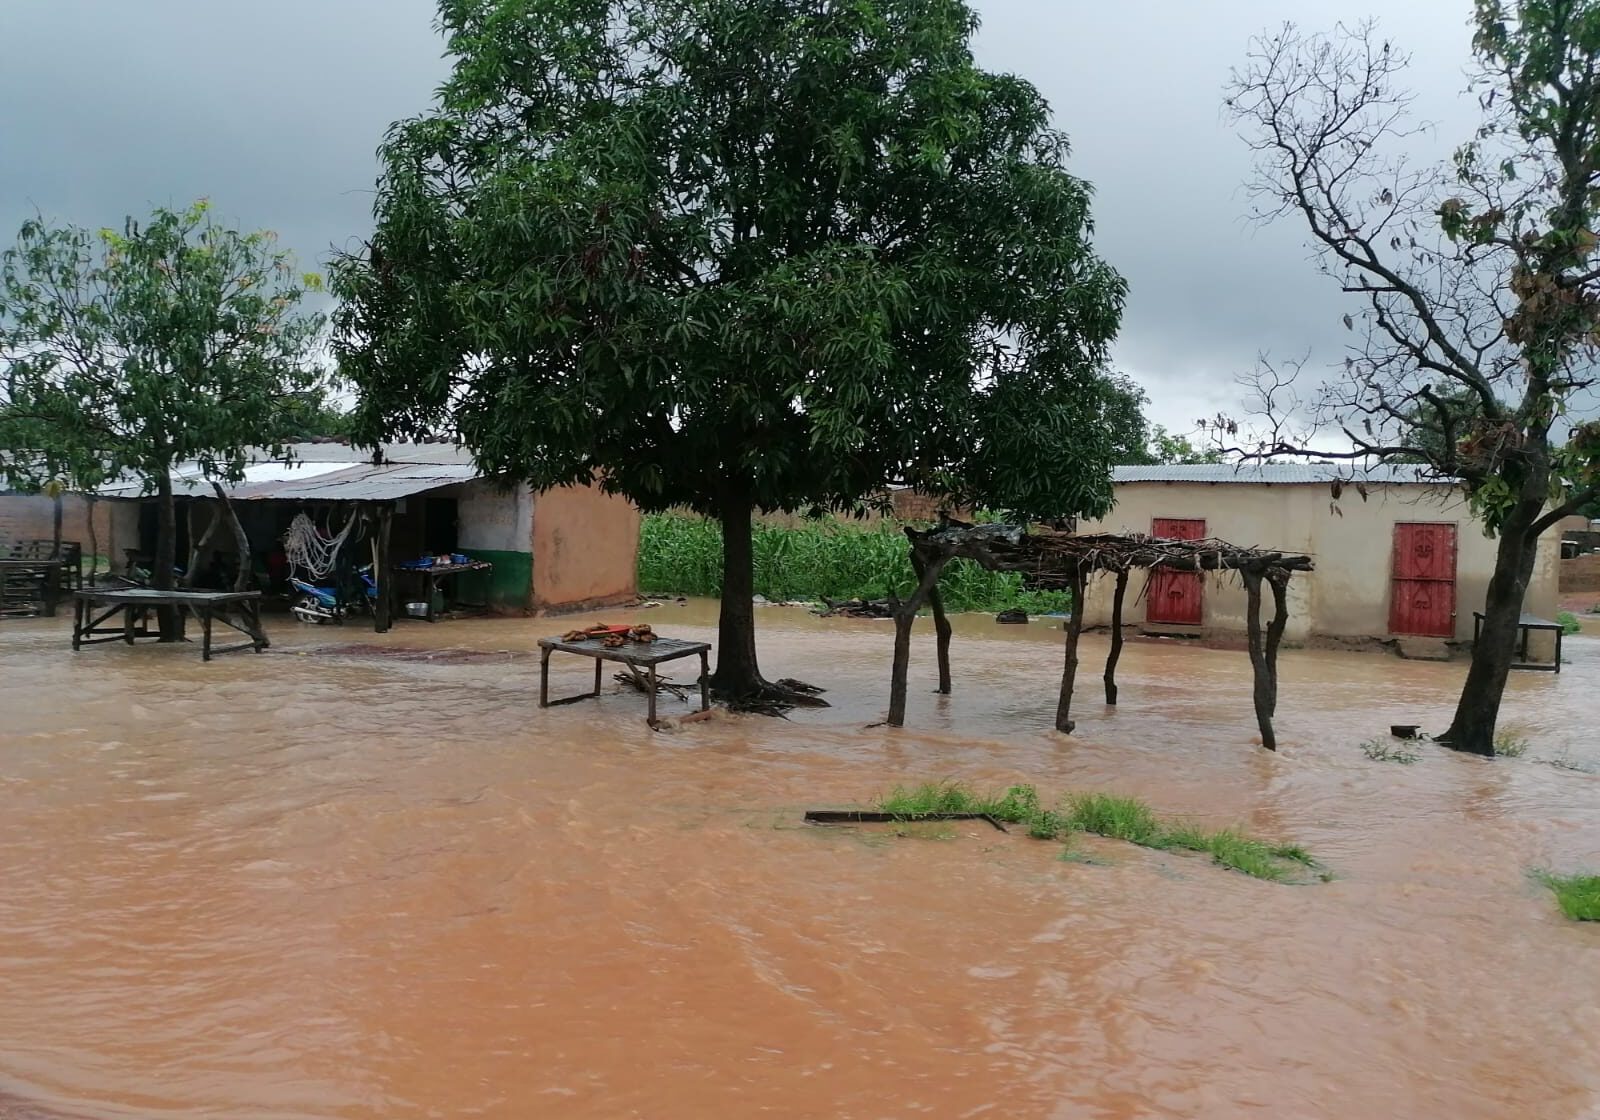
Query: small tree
(1477, 279)
(739, 256)
(171, 341)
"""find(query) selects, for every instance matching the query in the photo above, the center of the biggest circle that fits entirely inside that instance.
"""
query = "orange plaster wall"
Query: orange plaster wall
(585, 548)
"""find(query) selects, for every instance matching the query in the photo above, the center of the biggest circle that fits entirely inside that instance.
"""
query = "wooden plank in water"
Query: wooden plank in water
(865, 816)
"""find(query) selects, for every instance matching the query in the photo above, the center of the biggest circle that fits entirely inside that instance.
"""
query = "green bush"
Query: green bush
(1569, 623)
(828, 560)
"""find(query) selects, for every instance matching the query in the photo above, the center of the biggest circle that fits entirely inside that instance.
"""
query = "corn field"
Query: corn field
(830, 560)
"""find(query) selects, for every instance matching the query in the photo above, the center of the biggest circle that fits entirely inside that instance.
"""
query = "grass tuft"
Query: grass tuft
(1508, 744)
(1577, 895)
(1569, 623)
(1117, 818)
(1120, 818)
(1380, 751)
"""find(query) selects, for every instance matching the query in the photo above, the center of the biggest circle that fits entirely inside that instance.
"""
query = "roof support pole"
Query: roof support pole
(380, 568)
(905, 615)
(1069, 670)
(1264, 653)
(1116, 637)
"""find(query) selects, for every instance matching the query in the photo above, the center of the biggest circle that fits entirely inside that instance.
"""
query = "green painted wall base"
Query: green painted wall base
(508, 587)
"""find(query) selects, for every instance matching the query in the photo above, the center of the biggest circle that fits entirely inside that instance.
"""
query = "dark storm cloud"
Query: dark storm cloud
(273, 110)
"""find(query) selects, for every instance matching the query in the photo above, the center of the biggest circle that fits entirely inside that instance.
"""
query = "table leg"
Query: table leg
(205, 633)
(260, 634)
(77, 624)
(127, 623)
(1559, 636)
(652, 696)
(544, 678)
(52, 591)
(705, 682)
(1522, 646)
(598, 664)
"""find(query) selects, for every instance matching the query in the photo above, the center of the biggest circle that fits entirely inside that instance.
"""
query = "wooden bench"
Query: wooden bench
(134, 604)
(1526, 625)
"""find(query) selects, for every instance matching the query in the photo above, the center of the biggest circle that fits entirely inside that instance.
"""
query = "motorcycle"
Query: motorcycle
(317, 605)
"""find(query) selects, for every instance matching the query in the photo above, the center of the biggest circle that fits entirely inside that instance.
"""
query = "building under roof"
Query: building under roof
(561, 548)
(1399, 555)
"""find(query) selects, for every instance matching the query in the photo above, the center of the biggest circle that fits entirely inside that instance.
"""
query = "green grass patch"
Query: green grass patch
(1569, 623)
(1508, 744)
(1380, 751)
(1101, 814)
(830, 559)
(1577, 895)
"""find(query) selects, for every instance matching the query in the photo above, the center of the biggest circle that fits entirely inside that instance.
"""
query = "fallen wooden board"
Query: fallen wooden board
(862, 816)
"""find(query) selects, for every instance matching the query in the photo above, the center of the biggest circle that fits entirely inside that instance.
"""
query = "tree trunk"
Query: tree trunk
(197, 550)
(1069, 671)
(170, 618)
(737, 674)
(1116, 638)
(241, 542)
(1472, 729)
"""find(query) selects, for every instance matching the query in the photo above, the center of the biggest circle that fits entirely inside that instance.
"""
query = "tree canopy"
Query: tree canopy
(174, 339)
(1478, 281)
(736, 255)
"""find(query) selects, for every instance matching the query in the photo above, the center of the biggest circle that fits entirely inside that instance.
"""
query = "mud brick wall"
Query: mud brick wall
(1581, 573)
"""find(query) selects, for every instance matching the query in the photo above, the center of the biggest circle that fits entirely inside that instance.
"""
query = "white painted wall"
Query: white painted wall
(1350, 540)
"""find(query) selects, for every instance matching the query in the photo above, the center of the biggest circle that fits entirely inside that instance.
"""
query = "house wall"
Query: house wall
(585, 548)
(1350, 540)
(26, 517)
(496, 525)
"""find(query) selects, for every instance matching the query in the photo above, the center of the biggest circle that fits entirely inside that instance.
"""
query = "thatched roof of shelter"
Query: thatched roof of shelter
(1049, 559)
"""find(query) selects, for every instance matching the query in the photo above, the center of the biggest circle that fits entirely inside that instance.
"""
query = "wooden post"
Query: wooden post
(905, 614)
(1116, 637)
(1264, 667)
(1069, 670)
(380, 570)
(941, 624)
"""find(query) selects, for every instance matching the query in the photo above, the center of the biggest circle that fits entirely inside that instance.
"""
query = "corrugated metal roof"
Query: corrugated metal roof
(1280, 474)
(329, 472)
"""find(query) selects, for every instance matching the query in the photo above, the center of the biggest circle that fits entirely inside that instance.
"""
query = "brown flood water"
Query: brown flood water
(312, 884)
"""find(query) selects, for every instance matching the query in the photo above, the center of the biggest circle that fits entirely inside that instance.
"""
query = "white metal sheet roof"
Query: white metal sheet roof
(1281, 474)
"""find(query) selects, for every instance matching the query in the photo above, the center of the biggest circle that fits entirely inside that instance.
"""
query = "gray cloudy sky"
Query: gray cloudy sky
(273, 110)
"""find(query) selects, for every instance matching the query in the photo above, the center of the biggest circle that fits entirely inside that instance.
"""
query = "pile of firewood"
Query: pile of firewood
(611, 637)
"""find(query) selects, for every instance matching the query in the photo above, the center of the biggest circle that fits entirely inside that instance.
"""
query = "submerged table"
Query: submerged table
(645, 655)
(1526, 624)
(433, 575)
(136, 603)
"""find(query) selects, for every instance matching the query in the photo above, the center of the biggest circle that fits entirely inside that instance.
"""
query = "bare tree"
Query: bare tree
(1475, 278)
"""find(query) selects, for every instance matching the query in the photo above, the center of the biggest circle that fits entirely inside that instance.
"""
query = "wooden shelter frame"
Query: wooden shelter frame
(1061, 561)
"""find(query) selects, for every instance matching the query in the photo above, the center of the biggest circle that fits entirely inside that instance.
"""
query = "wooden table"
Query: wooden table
(432, 575)
(30, 570)
(646, 655)
(1526, 624)
(136, 603)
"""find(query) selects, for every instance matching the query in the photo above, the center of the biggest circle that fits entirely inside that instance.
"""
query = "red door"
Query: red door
(1174, 598)
(1423, 599)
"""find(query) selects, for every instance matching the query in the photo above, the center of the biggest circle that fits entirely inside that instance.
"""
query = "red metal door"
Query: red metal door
(1175, 598)
(1423, 598)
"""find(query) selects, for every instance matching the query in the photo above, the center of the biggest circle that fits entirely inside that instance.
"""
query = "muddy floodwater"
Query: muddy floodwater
(329, 881)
